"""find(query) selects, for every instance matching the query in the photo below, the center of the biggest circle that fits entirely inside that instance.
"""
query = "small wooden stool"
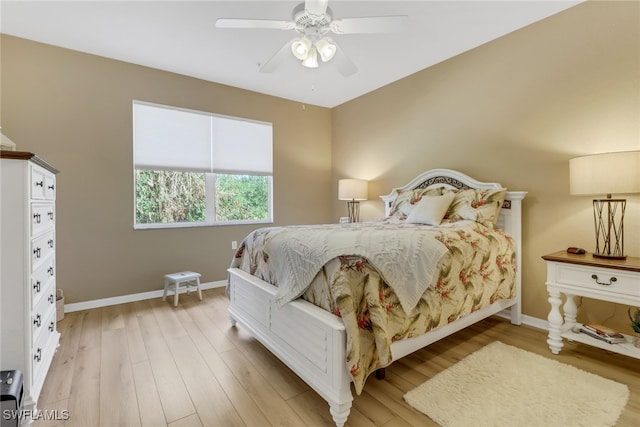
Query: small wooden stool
(173, 282)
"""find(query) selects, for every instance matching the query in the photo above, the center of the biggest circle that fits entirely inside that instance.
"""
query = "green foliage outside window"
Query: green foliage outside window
(172, 196)
(242, 197)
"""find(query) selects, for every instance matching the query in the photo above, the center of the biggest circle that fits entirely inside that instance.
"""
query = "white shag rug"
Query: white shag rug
(502, 385)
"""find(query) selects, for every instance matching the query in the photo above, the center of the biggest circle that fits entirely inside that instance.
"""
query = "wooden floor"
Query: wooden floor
(148, 363)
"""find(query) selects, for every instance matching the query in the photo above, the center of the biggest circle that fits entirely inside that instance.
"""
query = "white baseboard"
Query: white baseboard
(104, 302)
(527, 320)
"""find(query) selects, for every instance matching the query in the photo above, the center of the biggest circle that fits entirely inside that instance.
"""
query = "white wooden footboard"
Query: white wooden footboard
(309, 340)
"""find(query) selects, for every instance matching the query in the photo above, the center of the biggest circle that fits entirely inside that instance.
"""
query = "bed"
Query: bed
(335, 322)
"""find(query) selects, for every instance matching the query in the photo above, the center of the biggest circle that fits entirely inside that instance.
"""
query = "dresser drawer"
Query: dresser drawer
(41, 279)
(42, 312)
(616, 281)
(42, 249)
(42, 217)
(43, 184)
(43, 349)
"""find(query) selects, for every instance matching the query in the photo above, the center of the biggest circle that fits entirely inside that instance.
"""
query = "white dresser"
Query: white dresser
(28, 335)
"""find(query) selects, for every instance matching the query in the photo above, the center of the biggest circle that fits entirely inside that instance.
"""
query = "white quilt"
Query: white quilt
(405, 255)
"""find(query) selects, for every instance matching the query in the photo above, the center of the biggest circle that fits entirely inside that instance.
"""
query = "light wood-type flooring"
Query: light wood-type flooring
(148, 363)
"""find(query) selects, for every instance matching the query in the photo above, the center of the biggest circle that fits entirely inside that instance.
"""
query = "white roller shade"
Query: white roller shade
(169, 138)
(241, 146)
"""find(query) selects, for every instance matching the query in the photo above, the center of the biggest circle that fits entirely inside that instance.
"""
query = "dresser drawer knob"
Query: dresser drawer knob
(36, 217)
(36, 286)
(612, 280)
(51, 326)
(37, 321)
(51, 187)
(51, 299)
(38, 355)
(40, 184)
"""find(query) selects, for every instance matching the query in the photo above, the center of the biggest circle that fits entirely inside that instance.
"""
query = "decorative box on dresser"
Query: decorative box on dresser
(613, 280)
(28, 335)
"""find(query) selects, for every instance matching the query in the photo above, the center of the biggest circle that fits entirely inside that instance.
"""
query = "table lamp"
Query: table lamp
(353, 190)
(607, 173)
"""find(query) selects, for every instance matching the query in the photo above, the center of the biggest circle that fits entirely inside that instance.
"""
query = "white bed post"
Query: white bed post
(513, 226)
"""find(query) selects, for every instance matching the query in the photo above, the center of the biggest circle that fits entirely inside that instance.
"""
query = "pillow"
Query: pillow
(482, 206)
(430, 210)
(407, 199)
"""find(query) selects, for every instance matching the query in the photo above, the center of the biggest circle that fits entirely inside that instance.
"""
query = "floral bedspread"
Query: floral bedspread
(478, 269)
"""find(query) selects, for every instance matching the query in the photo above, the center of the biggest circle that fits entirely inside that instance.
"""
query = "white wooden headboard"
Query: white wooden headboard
(510, 215)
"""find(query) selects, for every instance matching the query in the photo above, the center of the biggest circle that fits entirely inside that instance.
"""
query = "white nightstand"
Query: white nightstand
(584, 275)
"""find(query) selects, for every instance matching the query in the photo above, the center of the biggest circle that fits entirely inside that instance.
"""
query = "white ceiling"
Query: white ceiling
(181, 37)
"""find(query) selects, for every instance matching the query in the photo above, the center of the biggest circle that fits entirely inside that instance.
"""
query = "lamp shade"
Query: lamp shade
(605, 173)
(352, 189)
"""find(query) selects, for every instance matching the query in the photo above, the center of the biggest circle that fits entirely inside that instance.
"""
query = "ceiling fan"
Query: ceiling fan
(313, 20)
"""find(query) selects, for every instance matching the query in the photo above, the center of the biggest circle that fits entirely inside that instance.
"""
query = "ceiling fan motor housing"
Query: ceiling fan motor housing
(311, 24)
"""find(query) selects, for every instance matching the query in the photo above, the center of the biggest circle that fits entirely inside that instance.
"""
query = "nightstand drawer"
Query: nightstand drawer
(596, 278)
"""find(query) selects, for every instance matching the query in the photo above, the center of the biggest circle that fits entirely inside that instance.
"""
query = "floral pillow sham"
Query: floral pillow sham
(482, 206)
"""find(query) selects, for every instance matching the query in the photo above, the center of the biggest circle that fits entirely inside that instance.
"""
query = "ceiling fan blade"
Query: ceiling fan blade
(278, 58)
(345, 66)
(370, 25)
(316, 7)
(254, 23)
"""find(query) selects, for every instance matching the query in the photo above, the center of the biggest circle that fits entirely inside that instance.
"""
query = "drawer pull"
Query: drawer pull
(36, 286)
(36, 252)
(51, 326)
(50, 215)
(38, 355)
(51, 299)
(50, 243)
(37, 321)
(50, 271)
(40, 184)
(50, 187)
(612, 280)
(36, 216)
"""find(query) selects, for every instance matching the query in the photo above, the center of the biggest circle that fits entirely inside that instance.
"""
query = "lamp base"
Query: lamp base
(608, 216)
(353, 207)
(607, 256)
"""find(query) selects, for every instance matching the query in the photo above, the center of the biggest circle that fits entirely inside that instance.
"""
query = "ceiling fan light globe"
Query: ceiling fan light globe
(300, 48)
(326, 49)
(311, 61)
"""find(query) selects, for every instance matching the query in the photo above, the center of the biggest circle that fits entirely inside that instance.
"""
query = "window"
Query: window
(194, 168)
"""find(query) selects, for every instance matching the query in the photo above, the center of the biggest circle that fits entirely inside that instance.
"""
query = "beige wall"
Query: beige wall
(513, 111)
(74, 110)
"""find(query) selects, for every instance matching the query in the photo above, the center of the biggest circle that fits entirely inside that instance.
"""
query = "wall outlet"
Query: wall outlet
(234, 244)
